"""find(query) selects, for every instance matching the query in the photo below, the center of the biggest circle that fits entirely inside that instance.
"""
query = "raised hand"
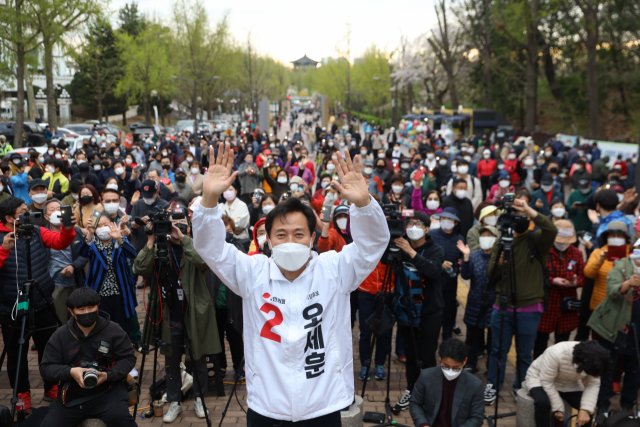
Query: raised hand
(463, 248)
(352, 185)
(219, 176)
(115, 232)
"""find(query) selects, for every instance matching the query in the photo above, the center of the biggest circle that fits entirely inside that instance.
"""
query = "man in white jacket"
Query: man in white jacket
(297, 329)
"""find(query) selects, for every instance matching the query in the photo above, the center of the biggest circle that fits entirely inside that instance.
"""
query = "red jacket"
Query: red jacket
(50, 239)
(511, 166)
(486, 167)
(335, 242)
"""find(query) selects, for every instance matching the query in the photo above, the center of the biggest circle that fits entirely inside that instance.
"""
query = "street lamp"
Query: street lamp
(395, 101)
(194, 113)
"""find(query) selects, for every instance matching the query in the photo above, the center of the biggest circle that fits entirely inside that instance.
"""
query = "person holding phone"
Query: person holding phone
(66, 266)
(577, 207)
(89, 201)
(249, 177)
(13, 263)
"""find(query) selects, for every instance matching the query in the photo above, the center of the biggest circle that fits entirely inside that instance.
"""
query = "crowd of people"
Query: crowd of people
(264, 213)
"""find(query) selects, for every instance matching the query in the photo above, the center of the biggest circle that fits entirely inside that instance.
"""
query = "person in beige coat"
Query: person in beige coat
(195, 179)
(558, 373)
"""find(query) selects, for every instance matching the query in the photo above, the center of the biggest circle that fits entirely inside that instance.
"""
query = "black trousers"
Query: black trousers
(426, 343)
(112, 408)
(475, 341)
(43, 319)
(330, 420)
(585, 311)
(542, 340)
(234, 337)
(543, 405)
(449, 312)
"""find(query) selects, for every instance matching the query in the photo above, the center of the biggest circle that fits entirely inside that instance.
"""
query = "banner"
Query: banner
(613, 149)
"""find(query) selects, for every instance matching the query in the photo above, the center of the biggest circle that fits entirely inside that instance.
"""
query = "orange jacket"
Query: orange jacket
(598, 270)
(373, 283)
(335, 242)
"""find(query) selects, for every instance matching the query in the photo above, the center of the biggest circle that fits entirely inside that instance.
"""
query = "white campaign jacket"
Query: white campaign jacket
(297, 335)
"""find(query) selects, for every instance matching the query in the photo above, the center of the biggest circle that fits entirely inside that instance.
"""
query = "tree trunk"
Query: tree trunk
(31, 98)
(488, 79)
(162, 111)
(531, 88)
(145, 107)
(591, 22)
(98, 79)
(20, 56)
(453, 93)
(51, 90)
(623, 94)
(550, 74)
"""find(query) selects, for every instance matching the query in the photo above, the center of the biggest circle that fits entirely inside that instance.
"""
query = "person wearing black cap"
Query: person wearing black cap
(149, 201)
(420, 251)
(447, 238)
(85, 174)
(577, 207)
(542, 197)
(580, 172)
(39, 195)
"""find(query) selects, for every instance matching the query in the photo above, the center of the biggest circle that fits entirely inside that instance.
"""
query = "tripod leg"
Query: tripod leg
(368, 364)
(6, 346)
(21, 343)
(196, 374)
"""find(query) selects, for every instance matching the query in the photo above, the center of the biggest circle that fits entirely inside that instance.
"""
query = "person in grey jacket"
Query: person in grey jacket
(448, 396)
(249, 177)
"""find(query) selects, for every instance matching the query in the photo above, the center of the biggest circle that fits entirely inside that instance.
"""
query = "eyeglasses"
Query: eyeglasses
(456, 369)
(417, 223)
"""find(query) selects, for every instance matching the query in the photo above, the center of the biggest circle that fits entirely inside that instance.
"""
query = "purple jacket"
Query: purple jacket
(307, 176)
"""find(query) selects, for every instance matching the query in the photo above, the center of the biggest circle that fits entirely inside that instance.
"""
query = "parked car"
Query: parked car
(34, 133)
(134, 126)
(184, 125)
(221, 125)
(137, 132)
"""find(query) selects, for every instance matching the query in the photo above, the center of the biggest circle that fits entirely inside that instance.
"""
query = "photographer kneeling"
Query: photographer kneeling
(187, 272)
(88, 338)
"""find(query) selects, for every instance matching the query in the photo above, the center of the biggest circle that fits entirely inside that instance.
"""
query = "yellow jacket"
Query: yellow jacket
(598, 270)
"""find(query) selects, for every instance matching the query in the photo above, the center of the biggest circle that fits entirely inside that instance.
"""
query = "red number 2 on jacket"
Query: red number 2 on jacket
(266, 331)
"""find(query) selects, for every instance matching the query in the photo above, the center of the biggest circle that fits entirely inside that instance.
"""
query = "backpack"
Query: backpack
(408, 299)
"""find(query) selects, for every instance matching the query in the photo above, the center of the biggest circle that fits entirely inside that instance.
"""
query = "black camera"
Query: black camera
(161, 220)
(26, 223)
(395, 224)
(90, 377)
(509, 219)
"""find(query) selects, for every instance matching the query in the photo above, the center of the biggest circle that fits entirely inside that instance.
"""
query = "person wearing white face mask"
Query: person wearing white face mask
(487, 215)
(280, 184)
(57, 183)
(474, 187)
(66, 266)
(336, 237)
(398, 194)
(459, 201)
(294, 273)
(238, 211)
(448, 395)
(486, 166)
(565, 266)
(569, 372)
(502, 188)
(111, 203)
(477, 316)
(39, 195)
(113, 280)
(424, 258)
(541, 198)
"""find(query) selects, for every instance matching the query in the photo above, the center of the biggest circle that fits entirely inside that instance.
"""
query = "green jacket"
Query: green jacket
(200, 317)
(529, 278)
(615, 311)
(579, 217)
(599, 169)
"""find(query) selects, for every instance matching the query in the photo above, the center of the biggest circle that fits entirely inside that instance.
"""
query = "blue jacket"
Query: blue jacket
(122, 256)
(20, 185)
(449, 243)
(476, 270)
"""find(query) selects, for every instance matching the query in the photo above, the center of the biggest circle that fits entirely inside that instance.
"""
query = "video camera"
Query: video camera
(161, 220)
(509, 218)
(395, 224)
(26, 222)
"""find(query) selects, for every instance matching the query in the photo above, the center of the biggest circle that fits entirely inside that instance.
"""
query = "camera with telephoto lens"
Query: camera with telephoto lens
(90, 377)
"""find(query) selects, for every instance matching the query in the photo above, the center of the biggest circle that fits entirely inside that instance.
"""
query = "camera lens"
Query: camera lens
(90, 378)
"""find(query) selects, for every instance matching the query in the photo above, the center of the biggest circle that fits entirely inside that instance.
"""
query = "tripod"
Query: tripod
(26, 311)
(507, 286)
(382, 321)
(170, 293)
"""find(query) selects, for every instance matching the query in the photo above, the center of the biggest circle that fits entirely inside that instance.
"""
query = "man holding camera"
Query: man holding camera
(91, 356)
(149, 202)
(529, 260)
(187, 295)
(13, 273)
(296, 304)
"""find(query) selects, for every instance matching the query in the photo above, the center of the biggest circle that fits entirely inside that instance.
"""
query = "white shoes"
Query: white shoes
(197, 405)
(174, 410)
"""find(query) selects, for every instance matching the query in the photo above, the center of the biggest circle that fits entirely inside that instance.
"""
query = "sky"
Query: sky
(287, 29)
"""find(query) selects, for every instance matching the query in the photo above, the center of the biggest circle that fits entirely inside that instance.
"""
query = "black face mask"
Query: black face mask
(105, 164)
(87, 319)
(180, 179)
(380, 168)
(182, 227)
(85, 200)
(553, 170)
(228, 237)
(166, 167)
